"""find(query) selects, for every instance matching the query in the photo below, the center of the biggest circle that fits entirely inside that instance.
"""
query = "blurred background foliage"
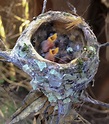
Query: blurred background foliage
(15, 15)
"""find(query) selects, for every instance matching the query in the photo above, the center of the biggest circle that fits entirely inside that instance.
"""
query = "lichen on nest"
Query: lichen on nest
(72, 51)
(61, 54)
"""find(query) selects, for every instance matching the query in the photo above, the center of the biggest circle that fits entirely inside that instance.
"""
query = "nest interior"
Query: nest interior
(59, 42)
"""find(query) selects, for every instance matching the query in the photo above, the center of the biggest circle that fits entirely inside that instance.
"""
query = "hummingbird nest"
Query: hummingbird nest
(65, 57)
(60, 53)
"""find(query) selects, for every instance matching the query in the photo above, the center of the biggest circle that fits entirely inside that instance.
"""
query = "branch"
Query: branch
(5, 55)
(104, 44)
(105, 2)
(44, 6)
(31, 106)
(88, 98)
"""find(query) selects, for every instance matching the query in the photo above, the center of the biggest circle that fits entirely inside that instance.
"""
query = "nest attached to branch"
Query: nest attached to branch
(61, 54)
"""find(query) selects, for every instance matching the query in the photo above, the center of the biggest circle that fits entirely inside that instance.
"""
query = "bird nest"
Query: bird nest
(60, 53)
(65, 57)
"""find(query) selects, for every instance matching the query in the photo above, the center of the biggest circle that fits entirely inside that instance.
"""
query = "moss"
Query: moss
(25, 48)
(67, 14)
(91, 55)
(91, 48)
(80, 65)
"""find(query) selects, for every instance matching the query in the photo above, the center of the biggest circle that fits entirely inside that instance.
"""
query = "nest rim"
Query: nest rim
(54, 13)
(48, 17)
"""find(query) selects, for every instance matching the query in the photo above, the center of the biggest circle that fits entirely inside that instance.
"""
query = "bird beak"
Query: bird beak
(54, 51)
(53, 37)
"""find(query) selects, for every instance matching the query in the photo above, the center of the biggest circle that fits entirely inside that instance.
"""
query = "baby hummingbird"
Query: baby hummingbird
(49, 43)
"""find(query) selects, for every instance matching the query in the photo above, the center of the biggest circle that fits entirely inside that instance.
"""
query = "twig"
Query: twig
(84, 121)
(88, 98)
(5, 55)
(95, 109)
(104, 44)
(44, 6)
(3, 60)
(73, 9)
(13, 83)
(4, 44)
(105, 2)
